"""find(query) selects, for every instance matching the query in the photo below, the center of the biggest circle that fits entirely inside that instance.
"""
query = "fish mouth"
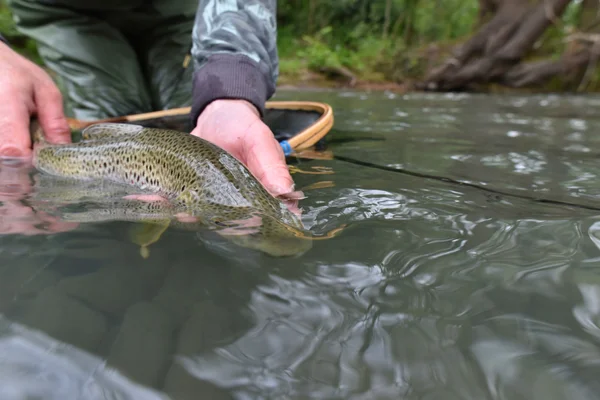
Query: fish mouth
(252, 249)
(277, 248)
(272, 249)
(268, 235)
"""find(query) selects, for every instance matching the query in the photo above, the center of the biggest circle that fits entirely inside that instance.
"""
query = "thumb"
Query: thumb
(266, 160)
(50, 113)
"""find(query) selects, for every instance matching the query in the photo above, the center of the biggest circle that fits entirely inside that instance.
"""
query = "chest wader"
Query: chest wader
(113, 57)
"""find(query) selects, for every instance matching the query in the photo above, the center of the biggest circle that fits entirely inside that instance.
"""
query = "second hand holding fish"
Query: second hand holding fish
(236, 127)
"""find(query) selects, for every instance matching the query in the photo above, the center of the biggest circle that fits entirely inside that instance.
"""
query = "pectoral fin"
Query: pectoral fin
(146, 233)
(149, 232)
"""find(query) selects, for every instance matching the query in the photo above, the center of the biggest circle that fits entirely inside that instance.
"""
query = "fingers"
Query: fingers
(236, 127)
(50, 113)
(265, 158)
(15, 139)
(26, 89)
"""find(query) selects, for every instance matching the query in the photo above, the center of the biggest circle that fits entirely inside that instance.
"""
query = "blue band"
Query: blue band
(287, 149)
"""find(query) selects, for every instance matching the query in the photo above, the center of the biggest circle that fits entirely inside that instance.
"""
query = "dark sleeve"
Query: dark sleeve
(3, 39)
(234, 52)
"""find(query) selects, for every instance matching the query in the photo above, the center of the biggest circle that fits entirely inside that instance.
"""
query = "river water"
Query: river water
(469, 268)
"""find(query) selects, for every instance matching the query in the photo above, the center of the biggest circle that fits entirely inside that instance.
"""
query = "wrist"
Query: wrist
(215, 105)
(233, 77)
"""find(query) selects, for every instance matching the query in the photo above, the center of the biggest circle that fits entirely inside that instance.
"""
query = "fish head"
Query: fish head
(268, 235)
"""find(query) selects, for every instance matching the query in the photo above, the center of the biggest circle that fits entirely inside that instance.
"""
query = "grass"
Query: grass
(319, 58)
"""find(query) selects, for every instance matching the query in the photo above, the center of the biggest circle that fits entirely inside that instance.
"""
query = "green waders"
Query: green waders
(113, 57)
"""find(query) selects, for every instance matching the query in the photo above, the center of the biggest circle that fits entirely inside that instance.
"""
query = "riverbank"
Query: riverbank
(402, 71)
(312, 80)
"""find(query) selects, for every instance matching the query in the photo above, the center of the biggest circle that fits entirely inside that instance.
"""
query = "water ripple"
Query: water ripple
(431, 290)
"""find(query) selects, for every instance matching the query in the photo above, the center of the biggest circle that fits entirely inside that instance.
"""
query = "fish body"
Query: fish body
(194, 175)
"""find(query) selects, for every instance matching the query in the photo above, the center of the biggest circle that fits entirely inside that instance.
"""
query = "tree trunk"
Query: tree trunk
(589, 19)
(487, 8)
(409, 21)
(494, 53)
(386, 18)
(312, 6)
(589, 22)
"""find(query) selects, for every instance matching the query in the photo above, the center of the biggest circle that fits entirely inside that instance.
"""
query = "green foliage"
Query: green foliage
(363, 36)
(19, 42)
(323, 51)
(423, 20)
(7, 26)
(375, 40)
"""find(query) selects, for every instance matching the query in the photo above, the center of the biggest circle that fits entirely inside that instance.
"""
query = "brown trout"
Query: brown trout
(196, 178)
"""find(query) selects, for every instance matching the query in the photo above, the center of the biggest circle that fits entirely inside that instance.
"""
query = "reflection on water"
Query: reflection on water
(433, 291)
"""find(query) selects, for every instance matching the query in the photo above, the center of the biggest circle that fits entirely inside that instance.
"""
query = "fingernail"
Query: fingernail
(11, 151)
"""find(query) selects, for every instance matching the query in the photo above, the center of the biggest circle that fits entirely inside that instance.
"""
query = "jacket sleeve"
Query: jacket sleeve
(235, 52)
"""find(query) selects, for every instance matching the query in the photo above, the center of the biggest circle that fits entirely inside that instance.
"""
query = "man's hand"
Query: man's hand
(235, 126)
(26, 89)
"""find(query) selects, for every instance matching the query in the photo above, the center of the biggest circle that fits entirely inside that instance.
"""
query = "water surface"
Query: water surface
(435, 290)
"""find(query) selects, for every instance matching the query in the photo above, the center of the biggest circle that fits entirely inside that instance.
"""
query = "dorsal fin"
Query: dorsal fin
(109, 129)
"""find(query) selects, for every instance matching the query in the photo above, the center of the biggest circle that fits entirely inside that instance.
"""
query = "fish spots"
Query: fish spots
(166, 162)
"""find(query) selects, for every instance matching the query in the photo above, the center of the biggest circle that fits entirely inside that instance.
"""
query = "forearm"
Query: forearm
(235, 52)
